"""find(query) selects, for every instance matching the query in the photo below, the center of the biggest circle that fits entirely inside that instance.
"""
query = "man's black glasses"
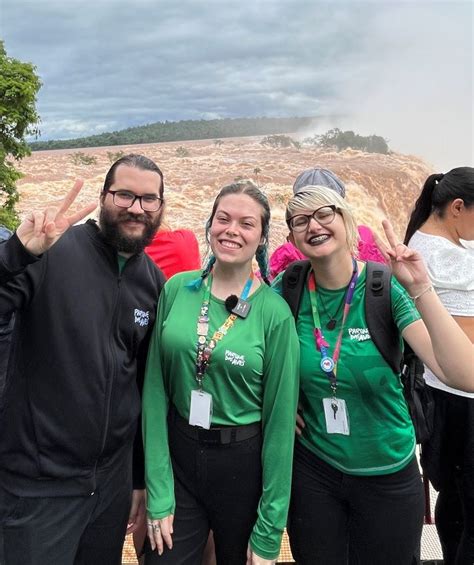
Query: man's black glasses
(126, 199)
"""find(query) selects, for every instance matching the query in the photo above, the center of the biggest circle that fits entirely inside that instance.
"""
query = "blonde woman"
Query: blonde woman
(357, 496)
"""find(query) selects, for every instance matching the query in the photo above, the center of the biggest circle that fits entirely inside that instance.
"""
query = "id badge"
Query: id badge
(200, 412)
(337, 418)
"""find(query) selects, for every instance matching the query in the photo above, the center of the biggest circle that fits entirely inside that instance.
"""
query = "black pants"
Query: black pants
(448, 461)
(68, 530)
(339, 519)
(217, 487)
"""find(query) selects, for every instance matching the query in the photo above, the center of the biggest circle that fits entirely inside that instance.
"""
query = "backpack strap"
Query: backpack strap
(378, 314)
(378, 305)
(293, 282)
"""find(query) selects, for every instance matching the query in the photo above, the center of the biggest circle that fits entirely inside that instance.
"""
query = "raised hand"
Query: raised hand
(407, 264)
(40, 230)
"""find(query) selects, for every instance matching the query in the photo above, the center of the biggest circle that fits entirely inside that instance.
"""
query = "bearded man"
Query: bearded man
(84, 300)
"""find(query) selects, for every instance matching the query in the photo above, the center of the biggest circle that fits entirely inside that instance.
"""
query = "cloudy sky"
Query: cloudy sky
(401, 69)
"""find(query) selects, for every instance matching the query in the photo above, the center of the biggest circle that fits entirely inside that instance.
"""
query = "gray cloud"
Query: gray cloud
(399, 69)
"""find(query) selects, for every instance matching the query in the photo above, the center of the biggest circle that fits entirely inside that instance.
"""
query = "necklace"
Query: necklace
(331, 324)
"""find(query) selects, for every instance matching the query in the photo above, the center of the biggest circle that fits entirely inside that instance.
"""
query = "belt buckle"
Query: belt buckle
(209, 436)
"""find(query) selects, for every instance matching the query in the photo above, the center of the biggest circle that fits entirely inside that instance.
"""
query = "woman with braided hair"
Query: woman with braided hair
(219, 400)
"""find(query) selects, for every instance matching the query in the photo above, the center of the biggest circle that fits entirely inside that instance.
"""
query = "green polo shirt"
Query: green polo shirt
(382, 438)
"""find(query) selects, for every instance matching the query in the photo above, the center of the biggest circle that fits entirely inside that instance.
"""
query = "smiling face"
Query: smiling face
(131, 229)
(336, 231)
(236, 229)
(319, 240)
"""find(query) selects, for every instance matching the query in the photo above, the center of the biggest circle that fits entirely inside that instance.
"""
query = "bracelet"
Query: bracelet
(427, 289)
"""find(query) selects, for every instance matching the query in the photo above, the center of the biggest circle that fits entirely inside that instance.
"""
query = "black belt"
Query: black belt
(219, 435)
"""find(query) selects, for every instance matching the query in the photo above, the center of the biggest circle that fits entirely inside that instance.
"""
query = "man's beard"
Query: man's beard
(110, 228)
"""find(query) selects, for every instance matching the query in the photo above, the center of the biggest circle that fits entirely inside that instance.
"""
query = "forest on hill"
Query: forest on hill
(181, 131)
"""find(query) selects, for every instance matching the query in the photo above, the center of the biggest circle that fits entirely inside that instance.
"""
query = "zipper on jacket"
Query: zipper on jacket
(113, 361)
(113, 368)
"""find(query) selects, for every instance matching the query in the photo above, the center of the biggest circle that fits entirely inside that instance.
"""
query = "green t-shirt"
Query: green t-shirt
(121, 262)
(252, 376)
(382, 438)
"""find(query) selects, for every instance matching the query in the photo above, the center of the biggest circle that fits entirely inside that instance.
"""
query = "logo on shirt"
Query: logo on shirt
(359, 334)
(234, 358)
(141, 318)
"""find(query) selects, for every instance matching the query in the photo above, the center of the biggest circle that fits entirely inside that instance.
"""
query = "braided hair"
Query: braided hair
(262, 261)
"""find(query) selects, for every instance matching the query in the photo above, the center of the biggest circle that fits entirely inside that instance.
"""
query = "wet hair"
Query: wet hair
(313, 197)
(250, 189)
(137, 161)
(437, 193)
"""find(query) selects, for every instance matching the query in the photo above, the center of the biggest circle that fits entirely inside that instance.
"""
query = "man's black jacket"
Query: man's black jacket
(79, 346)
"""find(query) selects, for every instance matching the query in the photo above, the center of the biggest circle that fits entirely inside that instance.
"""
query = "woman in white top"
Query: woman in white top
(442, 218)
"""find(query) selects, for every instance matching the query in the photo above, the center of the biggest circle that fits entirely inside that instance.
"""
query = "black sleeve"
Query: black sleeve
(138, 458)
(20, 272)
(138, 454)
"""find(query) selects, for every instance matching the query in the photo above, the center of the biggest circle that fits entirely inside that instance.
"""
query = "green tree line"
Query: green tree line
(181, 131)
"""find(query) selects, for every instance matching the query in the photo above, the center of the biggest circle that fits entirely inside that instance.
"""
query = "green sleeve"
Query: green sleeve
(404, 311)
(158, 471)
(281, 385)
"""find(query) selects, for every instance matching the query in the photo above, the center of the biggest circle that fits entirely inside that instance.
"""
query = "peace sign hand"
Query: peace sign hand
(40, 230)
(407, 264)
